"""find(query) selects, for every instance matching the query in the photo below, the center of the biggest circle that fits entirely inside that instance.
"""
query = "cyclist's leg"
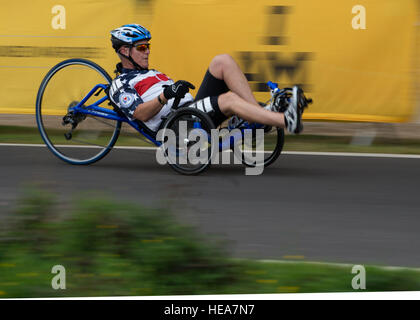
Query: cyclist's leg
(224, 75)
(211, 86)
(231, 103)
(221, 107)
(210, 106)
(224, 67)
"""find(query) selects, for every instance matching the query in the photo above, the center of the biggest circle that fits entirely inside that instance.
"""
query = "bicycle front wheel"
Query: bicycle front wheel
(64, 86)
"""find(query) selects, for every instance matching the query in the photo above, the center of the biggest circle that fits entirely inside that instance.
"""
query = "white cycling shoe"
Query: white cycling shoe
(292, 102)
(293, 114)
(287, 101)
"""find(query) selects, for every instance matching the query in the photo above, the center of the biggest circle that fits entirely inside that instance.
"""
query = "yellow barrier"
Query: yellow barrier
(352, 74)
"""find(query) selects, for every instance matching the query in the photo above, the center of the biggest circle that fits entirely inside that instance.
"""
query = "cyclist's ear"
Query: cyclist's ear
(123, 50)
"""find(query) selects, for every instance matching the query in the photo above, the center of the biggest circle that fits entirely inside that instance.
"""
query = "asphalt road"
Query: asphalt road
(357, 210)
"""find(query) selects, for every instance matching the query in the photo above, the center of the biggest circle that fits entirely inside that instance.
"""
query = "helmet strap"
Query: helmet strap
(135, 64)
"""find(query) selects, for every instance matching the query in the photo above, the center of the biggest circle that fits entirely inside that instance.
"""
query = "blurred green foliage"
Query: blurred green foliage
(108, 248)
(114, 248)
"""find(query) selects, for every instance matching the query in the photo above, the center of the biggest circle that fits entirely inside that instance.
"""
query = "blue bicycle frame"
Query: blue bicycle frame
(95, 110)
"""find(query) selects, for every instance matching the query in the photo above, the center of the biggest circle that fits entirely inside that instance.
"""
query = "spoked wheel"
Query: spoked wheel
(74, 137)
(187, 141)
(261, 147)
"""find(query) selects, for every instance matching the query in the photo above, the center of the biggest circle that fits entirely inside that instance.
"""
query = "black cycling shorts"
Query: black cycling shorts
(206, 99)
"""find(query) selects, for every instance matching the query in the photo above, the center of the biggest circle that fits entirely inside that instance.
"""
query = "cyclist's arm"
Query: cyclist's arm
(133, 106)
(147, 110)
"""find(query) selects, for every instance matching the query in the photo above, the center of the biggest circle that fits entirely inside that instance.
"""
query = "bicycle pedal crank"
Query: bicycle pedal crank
(74, 120)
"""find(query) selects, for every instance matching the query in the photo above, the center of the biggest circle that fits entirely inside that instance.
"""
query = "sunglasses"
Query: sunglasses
(142, 47)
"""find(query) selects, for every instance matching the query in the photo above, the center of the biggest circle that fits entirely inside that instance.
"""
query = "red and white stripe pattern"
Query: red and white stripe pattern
(147, 85)
(150, 84)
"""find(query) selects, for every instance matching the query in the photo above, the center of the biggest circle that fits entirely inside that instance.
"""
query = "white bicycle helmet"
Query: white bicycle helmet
(127, 35)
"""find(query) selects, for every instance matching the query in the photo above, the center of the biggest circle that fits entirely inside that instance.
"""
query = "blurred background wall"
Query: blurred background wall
(353, 74)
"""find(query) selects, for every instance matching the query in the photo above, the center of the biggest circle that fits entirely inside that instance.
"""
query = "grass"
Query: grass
(306, 277)
(112, 248)
(15, 134)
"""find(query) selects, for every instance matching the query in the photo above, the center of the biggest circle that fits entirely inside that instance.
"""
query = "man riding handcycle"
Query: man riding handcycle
(147, 97)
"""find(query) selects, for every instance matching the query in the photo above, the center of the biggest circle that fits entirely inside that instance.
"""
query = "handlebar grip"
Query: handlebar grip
(176, 103)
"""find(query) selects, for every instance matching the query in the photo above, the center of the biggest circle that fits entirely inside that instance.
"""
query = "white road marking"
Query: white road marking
(355, 154)
(71, 146)
(300, 153)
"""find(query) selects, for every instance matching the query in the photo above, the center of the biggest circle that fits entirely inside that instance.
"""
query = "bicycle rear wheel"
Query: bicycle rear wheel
(64, 86)
(263, 150)
(260, 149)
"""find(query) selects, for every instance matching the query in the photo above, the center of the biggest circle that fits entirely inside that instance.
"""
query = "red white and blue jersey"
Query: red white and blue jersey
(133, 87)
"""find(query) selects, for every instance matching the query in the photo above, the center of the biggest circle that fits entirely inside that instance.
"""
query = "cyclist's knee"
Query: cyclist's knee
(228, 102)
(223, 58)
(219, 64)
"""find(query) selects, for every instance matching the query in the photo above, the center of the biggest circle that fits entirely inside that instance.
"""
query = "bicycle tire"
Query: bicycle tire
(206, 124)
(273, 154)
(58, 150)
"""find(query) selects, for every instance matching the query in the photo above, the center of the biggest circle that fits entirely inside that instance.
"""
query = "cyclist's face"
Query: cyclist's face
(141, 57)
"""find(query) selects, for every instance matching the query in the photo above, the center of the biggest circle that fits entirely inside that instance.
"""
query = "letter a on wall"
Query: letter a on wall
(59, 20)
